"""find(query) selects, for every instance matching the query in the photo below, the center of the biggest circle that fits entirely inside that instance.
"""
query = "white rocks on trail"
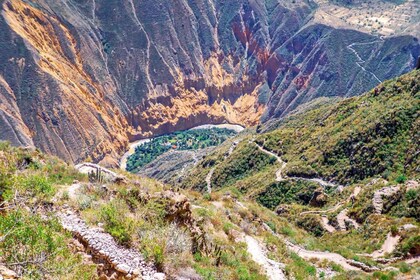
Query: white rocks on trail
(342, 218)
(387, 247)
(377, 200)
(72, 191)
(6, 273)
(208, 180)
(326, 225)
(109, 175)
(272, 268)
(103, 246)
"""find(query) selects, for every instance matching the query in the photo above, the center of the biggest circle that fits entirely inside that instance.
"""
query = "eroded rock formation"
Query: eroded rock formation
(81, 78)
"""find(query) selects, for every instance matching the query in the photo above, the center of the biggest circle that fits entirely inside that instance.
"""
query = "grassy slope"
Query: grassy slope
(30, 180)
(34, 244)
(376, 134)
(358, 138)
(351, 142)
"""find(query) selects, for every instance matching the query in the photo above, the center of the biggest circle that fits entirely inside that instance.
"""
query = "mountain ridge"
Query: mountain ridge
(83, 82)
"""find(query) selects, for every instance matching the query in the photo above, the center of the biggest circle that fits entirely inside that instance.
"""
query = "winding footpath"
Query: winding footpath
(208, 179)
(377, 200)
(273, 269)
(342, 218)
(326, 225)
(332, 209)
(388, 246)
(279, 176)
(128, 262)
(360, 60)
(210, 174)
(279, 173)
(332, 257)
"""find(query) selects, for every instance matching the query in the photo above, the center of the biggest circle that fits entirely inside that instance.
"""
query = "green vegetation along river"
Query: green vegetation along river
(145, 151)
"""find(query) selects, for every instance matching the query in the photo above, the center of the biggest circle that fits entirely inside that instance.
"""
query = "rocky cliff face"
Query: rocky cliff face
(80, 78)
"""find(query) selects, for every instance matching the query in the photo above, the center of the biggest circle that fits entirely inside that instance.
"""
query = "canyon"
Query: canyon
(81, 79)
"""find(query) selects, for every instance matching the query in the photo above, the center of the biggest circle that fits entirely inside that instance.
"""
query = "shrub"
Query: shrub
(288, 231)
(38, 186)
(311, 224)
(404, 267)
(394, 230)
(401, 179)
(116, 223)
(38, 248)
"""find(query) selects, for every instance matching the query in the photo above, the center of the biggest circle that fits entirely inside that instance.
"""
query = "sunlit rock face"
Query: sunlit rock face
(81, 78)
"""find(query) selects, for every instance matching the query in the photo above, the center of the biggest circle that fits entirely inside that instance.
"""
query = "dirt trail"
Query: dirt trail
(388, 247)
(103, 246)
(342, 218)
(307, 254)
(360, 60)
(279, 173)
(258, 253)
(210, 174)
(72, 191)
(232, 148)
(332, 209)
(279, 176)
(326, 225)
(332, 257)
(208, 179)
(377, 200)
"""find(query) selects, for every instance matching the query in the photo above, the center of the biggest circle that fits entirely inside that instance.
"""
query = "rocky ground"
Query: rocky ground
(188, 63)
(121, 261)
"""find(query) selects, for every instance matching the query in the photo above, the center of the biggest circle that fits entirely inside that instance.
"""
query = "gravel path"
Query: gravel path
(326, 225)
(129, 262)
(387, 247)
(208, 179)
(332, 257)
(377, 200)
(342, 218)
(256, 250)
(279, 176)
(333, 209)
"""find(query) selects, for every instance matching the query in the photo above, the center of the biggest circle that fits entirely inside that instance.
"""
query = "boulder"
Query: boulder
(319, 198)
(6, 273)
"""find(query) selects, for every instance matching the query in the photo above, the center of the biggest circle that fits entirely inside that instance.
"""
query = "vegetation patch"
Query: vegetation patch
(182, 140)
